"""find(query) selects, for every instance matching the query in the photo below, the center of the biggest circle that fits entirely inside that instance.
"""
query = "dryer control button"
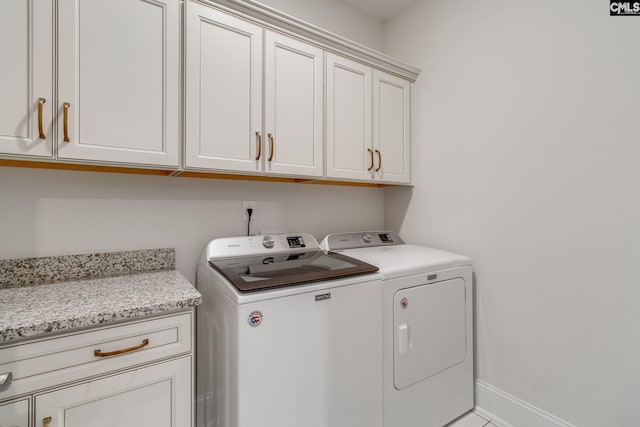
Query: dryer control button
(367, 237)
(268, 242)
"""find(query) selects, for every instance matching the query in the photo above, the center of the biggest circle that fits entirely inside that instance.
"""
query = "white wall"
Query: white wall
(66, 212)
(334, 16)
(527, 145)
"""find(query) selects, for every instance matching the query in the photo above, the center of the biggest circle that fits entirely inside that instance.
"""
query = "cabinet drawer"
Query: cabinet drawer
(52, 361)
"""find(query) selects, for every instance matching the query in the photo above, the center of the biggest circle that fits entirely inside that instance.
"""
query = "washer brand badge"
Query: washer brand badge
(404, 302)
(624, 8)
(432, 277)
(255, 318)
(323, 297)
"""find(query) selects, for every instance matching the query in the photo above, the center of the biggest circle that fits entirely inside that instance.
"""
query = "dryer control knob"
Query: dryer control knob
(367, 237)
(268, 242)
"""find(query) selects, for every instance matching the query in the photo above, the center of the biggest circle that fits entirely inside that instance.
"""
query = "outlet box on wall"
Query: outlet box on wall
(248, 205)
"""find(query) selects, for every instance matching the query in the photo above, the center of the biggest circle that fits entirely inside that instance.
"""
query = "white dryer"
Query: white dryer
(287, 335)
(427, 327)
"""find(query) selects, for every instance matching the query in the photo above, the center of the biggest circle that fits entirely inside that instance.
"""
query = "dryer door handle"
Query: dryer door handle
(403, 339)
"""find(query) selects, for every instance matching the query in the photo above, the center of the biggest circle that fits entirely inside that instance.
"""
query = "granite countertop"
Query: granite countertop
(30, 308)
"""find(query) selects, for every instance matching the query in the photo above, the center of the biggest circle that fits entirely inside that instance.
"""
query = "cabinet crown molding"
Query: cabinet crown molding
(281, 21)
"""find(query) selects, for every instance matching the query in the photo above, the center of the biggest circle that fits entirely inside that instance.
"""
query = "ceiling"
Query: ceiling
(379, 9)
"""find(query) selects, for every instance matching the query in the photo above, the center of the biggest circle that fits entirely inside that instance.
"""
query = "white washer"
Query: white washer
(427, 327)
(298, 346)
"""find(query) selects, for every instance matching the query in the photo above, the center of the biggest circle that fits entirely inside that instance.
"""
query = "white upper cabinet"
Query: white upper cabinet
(392, 128)
(368, 123)
(293, 106)
(223, 91)
(26, 78)
(226, 63)
(264, 93)
(119, 81)
(349, 150)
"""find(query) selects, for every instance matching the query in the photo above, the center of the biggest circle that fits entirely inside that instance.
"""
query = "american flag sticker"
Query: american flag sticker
(255, 318)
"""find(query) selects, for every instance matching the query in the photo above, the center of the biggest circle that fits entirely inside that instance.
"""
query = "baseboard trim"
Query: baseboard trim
(507, 410)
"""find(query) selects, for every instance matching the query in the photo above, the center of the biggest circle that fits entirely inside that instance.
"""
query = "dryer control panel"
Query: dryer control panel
(339, 241)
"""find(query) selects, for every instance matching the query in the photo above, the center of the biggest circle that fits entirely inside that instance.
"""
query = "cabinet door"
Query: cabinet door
(349, 149)
(293, 106)
(223, 91)
(392, 127)
(119, 72)
(14, 414)
(155, 396)
(26, 76)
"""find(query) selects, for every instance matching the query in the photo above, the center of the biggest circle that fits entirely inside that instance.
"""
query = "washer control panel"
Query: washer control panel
(256, 245)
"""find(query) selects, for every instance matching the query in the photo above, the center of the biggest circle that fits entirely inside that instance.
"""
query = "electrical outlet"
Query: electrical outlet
(248, 205)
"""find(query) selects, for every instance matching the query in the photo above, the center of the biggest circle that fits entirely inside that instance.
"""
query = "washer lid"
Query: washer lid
(256, 273)
(407, 260)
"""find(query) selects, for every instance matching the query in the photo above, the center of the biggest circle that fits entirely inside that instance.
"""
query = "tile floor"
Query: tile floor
(472, 419)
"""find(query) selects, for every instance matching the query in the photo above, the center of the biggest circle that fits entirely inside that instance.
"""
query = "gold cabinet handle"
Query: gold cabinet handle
(272, 143)
(99, 353)
(379, 160)
(371, 153)
(41, 102)
(65, 114)
(259, 135)
(46, 422)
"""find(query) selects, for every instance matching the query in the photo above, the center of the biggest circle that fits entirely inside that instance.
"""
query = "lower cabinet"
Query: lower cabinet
(153, 396)
(138, 373)
(14, 414)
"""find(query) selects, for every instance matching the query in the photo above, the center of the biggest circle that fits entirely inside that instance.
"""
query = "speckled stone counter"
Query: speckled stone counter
(34, 271)
(31, 311)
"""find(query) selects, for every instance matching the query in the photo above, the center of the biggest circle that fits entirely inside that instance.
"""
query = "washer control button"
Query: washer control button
(367, 237)
(268, 242)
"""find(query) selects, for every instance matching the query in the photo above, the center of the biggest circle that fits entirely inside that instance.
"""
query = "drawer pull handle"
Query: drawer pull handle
(41, 102)
(46, 422)
(65, 111)
(5, 381)
(99, 353)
